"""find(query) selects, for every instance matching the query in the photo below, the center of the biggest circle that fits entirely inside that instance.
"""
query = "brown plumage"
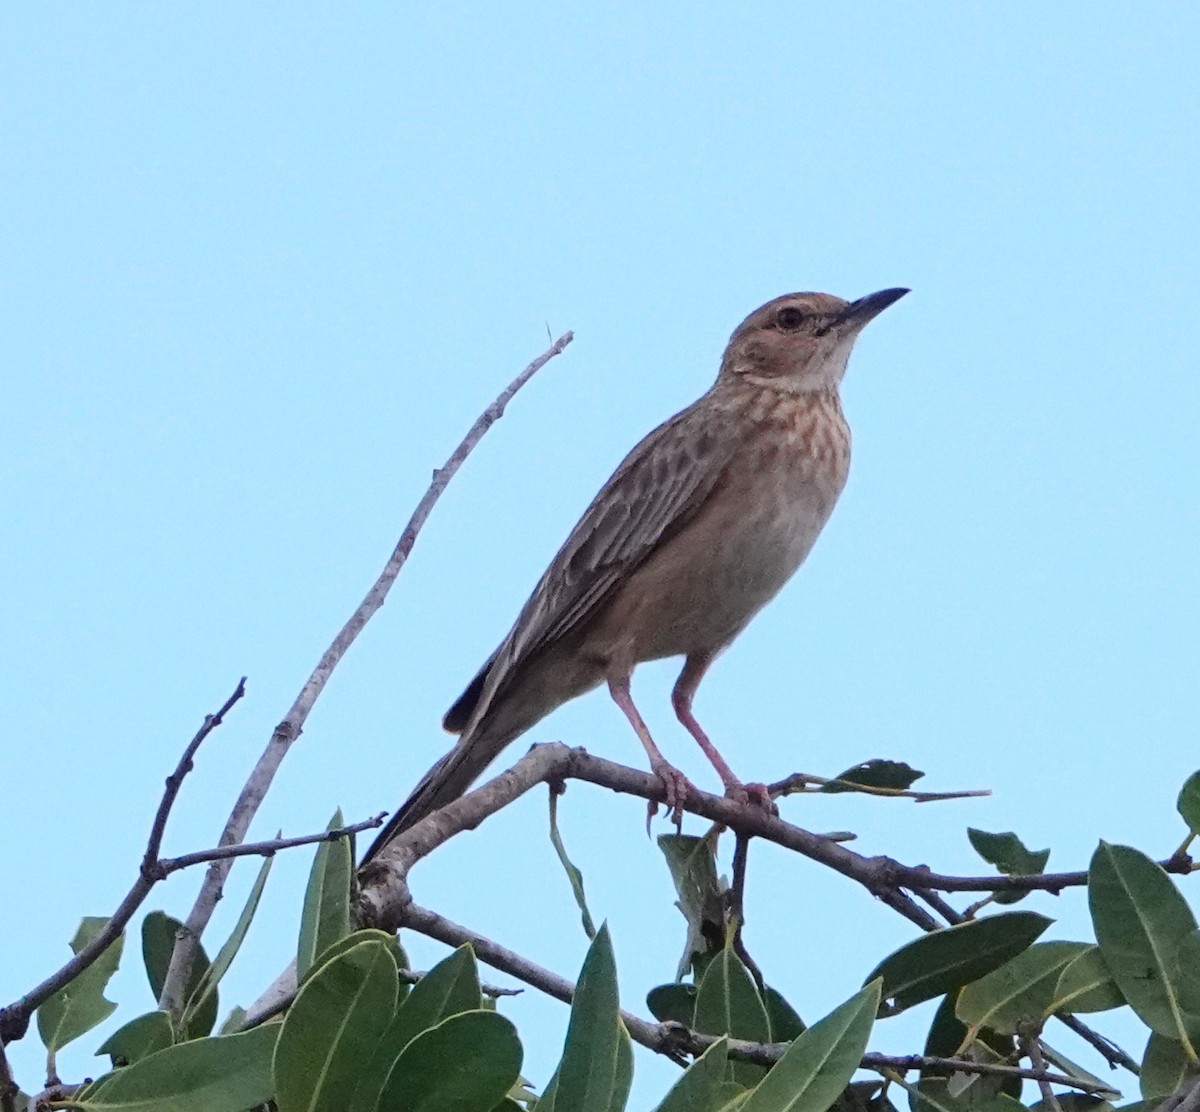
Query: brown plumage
(697, 529)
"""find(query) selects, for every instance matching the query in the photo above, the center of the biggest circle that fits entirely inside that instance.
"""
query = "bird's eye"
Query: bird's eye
(789, 318)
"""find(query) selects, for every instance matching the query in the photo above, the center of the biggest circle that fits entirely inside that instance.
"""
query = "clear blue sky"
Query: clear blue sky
(263, 264)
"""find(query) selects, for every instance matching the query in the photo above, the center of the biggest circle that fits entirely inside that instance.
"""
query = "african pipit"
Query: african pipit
(695, 532)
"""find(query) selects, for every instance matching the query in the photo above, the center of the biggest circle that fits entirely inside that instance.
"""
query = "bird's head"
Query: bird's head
(800, 342)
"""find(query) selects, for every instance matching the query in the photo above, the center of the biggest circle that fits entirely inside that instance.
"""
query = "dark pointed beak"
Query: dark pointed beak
(865, 309)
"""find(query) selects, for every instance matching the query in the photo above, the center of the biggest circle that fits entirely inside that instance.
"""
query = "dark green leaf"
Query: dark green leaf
(697, 1090)
(573, 874)
(326, 914)
(1073, 1102)
(1186, 975)
(786, 1023)
(1008, 853)
(1140, 918)
(333, 1027)
(467, 1063)
(820, 1063)
(1188, 803)
(138, 1038)
(1020, 991)
(587, 1075)
(80, 1006)
(877, 773)
(204, 997)
(954, 956)
(946, 1034)
(203, 1075)
(673, 1003)
(158, 943)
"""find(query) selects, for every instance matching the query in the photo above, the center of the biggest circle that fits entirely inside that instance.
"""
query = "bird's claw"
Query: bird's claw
(756, 795)
(676, 788)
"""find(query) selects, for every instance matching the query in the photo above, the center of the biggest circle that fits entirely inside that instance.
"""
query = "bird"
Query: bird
(698, 528)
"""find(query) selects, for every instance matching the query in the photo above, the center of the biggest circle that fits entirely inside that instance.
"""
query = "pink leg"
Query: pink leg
(681, 699)
(675, 784)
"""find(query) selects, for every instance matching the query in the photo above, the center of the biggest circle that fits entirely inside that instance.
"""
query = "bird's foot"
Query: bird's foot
(755, 794)
(676, 789)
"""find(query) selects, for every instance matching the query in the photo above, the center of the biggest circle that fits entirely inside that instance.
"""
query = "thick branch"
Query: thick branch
(289, 729)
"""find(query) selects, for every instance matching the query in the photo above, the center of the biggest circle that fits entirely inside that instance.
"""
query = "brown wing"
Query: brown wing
(654, 492)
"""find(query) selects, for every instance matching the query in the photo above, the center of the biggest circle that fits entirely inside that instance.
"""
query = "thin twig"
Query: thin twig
(1031, 1048)
(269, 848)
(737, 906)
(805, 783)
(289, 729)
(14, 1019)
(673, 1039)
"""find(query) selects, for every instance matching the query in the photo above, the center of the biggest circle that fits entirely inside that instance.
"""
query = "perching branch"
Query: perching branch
(289, 729)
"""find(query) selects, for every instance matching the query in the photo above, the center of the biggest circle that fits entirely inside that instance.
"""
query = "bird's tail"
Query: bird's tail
(446, 781)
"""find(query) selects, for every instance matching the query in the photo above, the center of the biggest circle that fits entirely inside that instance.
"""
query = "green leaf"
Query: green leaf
(365, 935)
(586, 1078)
(1140, 918)
(729, 1004)
(820, 1063)
(1008, 853)
(326, 914)
(786, 1023)
(1086, 985)
(1021, 990)
(451, 987)
(701, 900)
(202, 1075)
(946, 959)
(1188, 803)
(877, 773)
(1164, 1067)
(158, 943)
(467, 1063)
(623, 1074)
(333, 1027)
(203, 998)
(79, 1006)
(673, 1003)
(699, 1087)
(234, 1021)
(573, 874)
(138, 1038)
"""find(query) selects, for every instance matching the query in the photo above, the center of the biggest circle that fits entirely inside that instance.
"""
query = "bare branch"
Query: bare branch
(673, 1039)
(289, 729)
(14, 1019)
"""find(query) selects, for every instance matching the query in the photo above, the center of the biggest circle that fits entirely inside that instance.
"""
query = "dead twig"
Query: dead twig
(292, 724)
